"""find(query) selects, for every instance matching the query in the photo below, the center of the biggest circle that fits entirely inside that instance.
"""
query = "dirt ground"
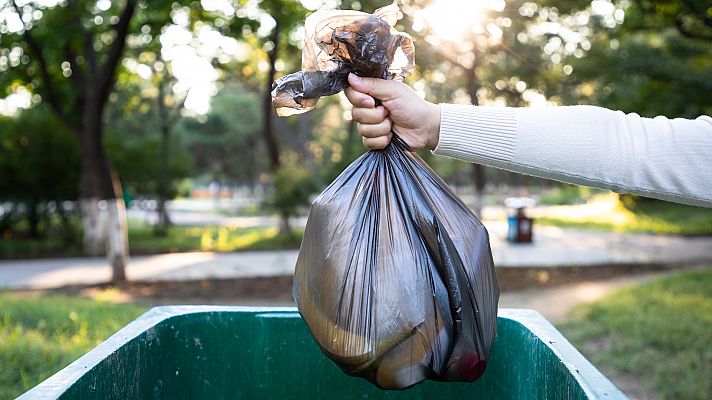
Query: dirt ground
(278, 290)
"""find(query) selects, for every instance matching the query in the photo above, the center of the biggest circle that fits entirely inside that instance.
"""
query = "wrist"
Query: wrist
(432, 132)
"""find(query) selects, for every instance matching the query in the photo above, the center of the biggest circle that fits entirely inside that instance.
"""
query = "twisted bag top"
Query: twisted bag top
(337, 42)
(395, 277)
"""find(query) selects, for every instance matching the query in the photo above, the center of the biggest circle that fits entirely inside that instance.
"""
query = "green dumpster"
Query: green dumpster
(209, 352)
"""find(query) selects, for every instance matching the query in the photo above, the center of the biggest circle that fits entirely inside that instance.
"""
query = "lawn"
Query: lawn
(142, 240)
(658, 334)
(41, 335)
(605, 212)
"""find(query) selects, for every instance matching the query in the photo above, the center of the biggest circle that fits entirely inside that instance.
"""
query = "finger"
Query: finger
(359, 99)
(370, 115)
(374, 130)
(381, 89)
(377, 143)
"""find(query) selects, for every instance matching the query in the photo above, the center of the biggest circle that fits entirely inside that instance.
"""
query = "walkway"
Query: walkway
(552, 247)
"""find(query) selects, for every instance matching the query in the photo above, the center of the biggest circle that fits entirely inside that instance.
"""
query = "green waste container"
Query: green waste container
(209, 352)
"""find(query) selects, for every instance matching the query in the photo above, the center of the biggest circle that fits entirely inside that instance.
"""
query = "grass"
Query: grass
(41, 335)
(658, 333)
(210, 238)
(142, 240)
(606, 213)
(567, 194)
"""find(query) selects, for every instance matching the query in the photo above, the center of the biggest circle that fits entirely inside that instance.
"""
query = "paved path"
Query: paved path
(555, 303)
(553, 247)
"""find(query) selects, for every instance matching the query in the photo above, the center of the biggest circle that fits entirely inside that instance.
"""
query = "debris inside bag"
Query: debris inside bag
(338, 42)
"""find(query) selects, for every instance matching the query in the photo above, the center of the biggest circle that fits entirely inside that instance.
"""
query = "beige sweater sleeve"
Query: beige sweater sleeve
(669, 159)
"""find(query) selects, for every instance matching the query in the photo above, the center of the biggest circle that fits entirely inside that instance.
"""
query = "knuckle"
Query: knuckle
(362, 129)
(369, 143)
(356, 114)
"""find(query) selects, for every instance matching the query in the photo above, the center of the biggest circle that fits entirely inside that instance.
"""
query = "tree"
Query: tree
(74, 73)
(149, 159)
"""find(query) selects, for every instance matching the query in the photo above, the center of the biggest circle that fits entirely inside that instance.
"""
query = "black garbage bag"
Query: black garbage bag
(395, 277)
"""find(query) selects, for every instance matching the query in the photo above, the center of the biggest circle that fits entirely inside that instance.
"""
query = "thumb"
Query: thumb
(380, 89)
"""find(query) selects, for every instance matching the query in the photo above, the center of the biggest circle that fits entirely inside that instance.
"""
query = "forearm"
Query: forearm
(662, 158)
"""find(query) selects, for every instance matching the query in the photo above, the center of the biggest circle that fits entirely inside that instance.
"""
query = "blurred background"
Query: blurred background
(141, 163)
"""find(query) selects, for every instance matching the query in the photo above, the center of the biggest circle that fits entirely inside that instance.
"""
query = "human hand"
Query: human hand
(402, 111)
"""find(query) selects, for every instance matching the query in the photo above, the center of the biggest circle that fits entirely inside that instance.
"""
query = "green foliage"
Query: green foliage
(293, 186)
(635, 203)
(225, 144)
(137, 158)
(39, 166)
(40, 158)
(39, 335)
(655, 63)
(567, 194)
(659, 333)
(289, 16)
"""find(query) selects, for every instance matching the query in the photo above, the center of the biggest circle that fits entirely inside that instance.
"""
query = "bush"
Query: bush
(39, 169)
(293, 186)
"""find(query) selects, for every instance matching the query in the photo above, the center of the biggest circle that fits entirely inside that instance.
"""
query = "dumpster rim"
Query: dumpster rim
(594, 384)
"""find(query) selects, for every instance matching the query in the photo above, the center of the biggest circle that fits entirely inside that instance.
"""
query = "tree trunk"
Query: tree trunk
(103, 209)
(33, 219)
(163, 179)
(164, 220)
(285, 229)
(479, 179)
(118, 244)
(67, 236)
(93, 239)
(268, 112)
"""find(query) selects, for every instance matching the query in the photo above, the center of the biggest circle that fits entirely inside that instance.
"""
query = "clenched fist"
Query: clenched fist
(402, 111)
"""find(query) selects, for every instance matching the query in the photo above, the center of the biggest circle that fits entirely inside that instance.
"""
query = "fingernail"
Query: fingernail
(354, 78)
(369, 102)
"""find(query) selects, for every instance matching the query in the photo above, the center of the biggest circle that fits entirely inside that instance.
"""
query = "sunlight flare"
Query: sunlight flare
(454, 20)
